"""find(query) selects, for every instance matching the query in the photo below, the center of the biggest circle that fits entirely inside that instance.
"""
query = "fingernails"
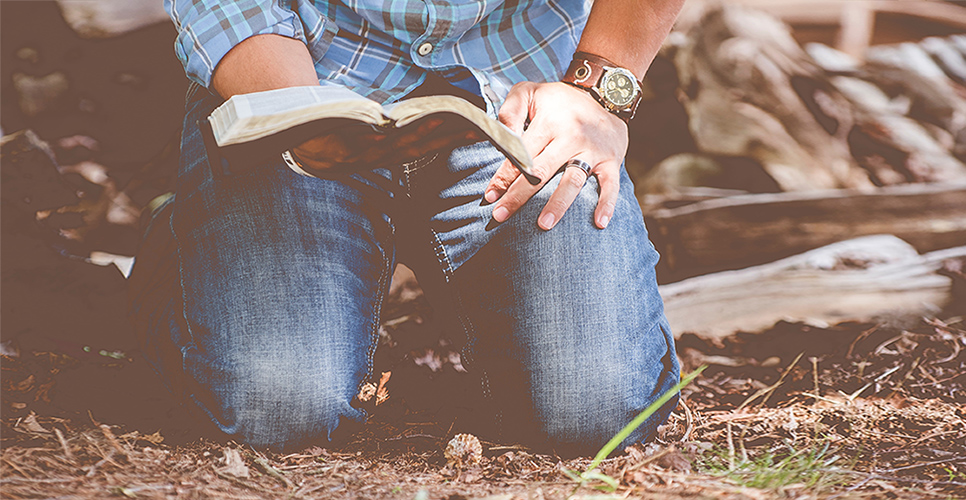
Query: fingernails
(500, 214)
(491, 195)
(546, 221)
(603, 221)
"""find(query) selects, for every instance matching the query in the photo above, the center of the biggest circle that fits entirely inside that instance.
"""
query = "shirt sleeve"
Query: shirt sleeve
(208, 29)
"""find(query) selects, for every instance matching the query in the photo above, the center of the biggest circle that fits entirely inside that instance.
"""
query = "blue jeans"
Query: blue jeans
(258, 298)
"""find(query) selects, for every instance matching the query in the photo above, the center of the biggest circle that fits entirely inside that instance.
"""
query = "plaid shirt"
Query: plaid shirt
(383, 49)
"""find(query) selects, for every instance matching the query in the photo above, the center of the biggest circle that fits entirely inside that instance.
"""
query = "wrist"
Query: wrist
(615, 88)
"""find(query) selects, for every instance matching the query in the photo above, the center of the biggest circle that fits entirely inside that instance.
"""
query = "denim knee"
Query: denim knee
(277, 400)
(570, 324)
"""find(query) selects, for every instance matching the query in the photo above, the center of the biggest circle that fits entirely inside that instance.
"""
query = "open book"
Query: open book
(248, 125)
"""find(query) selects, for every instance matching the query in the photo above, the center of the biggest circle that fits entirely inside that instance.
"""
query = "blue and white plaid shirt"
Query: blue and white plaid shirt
(383, 49)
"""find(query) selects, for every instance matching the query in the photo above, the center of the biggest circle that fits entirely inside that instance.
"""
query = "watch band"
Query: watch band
(586, 71)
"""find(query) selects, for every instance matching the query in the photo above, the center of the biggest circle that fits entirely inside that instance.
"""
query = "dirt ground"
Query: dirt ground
(850, 411)
(857, 411)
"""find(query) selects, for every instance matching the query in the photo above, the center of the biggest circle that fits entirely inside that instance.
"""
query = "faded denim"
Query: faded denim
(260, 305)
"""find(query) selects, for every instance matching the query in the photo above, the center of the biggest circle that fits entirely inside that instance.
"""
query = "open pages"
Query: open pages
(281, 119)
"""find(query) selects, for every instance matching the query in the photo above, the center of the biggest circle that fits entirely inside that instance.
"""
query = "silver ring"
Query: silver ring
(581, 164)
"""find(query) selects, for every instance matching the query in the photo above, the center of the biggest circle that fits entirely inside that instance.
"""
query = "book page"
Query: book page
(410, 110)
(248, 117)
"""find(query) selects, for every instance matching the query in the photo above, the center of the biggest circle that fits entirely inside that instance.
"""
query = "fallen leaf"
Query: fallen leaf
(382, 393)
(154, 439)
(30, 425)
(367, 392)
(234, 464)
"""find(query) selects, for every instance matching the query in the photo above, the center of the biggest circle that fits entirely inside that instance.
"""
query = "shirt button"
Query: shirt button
(425, 49)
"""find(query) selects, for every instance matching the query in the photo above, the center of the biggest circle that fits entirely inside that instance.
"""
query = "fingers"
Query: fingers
(513, 113)
(609, 181)
(500, 182)
(516, 108)
(520, 190)
(571, 182)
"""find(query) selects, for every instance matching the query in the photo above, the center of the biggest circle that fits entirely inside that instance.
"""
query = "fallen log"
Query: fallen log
(741, 231)
(108, 18)
(809, 120)
(750, 90)
(864, 279)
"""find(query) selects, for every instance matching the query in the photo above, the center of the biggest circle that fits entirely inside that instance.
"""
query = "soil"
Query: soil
(878, 407)
(886, 402)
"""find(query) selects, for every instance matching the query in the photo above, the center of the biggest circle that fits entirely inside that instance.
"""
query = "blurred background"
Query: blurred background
(769, 128)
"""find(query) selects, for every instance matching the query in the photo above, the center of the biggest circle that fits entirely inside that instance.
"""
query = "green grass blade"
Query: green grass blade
(610, 484)
(639, 419)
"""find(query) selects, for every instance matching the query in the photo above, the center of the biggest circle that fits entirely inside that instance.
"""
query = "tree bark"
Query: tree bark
(864, 279)
(741, 231)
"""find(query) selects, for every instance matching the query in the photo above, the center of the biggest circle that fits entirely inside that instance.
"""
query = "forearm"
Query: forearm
(629, 32)
(264, 62)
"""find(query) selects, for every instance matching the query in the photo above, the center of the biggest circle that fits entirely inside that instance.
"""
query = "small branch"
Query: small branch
(111, 439)
(926, 464)
(770, 389)
(908, 374)
(63, 444)
(689, 420)
(267, 468)
(18, 469)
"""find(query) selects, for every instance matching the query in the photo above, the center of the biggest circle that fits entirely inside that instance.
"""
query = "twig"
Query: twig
(770, 389)
(18, 469)
(244, 484)
(267, 468)
(890, 371)
(859, 337)
(741, 444)
(411, 436)
(823, 398)
(954, 377)
(645, 461)
(878, 350)
(44, 480)
(688, 419)
(313, 489)
(873, 475)
(99, 463)
(925, 373)
(926, 464)
(954, 355)
(903, 380)
(100, 452)
(814, 361)
(514, 447)
(731, 448)
(852, 488)
(111, 439)
(63, 444)
(932, 435)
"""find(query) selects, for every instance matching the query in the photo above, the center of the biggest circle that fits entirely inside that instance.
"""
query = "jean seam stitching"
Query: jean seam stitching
(184, 302)
(376, 317)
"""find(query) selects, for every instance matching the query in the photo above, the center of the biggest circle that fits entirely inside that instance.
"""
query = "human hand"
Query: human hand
(565, 123)
(349, 150)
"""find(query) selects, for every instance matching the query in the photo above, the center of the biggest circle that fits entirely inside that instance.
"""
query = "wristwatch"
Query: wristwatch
(614, 87)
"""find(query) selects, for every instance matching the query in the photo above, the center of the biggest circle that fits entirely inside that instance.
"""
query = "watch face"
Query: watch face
(619, 88)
